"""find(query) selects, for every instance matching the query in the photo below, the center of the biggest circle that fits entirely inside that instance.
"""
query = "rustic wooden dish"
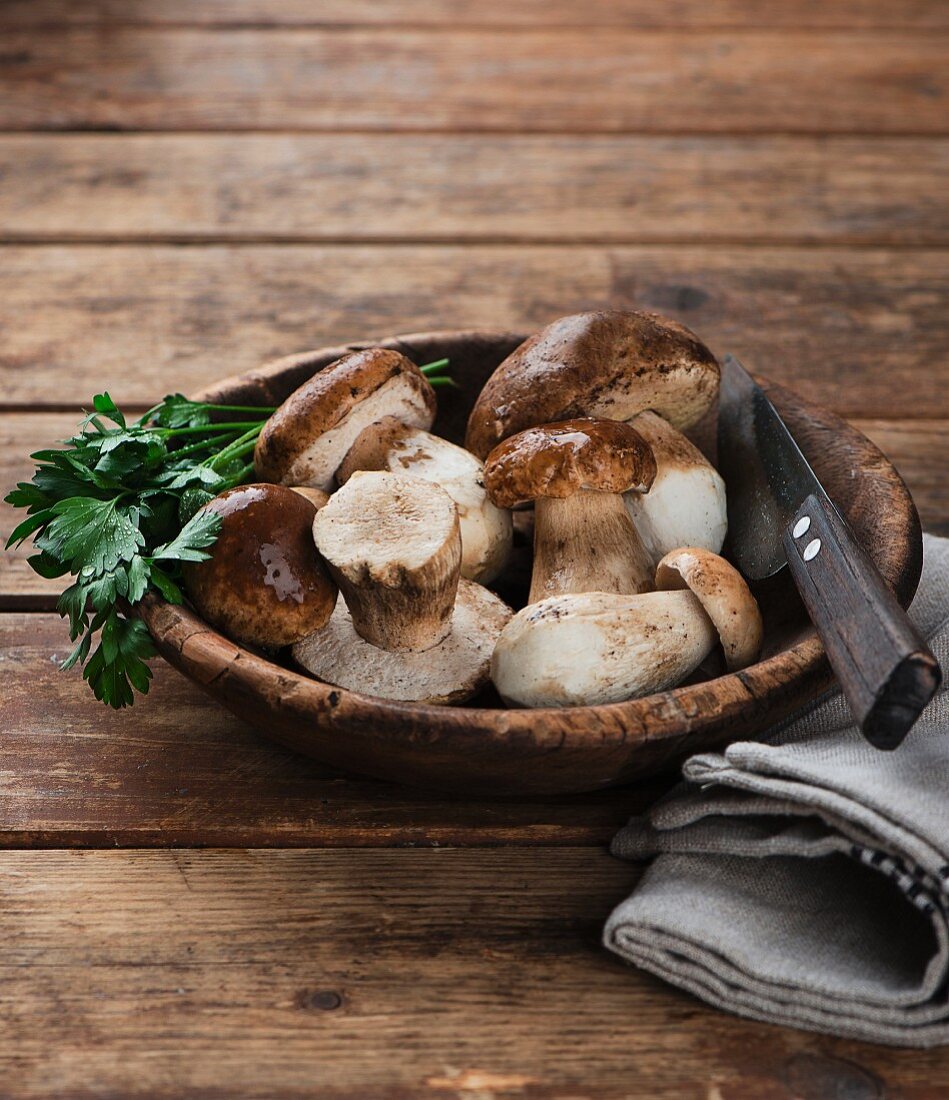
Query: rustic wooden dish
(495, 751)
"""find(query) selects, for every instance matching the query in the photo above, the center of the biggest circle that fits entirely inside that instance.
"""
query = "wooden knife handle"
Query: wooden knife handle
(885, 668)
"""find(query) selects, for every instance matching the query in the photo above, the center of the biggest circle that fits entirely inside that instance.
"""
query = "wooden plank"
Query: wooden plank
(860, 330)
(853, 14)
(425, 188)
(179, 770)
(606, 80)
(372, 975)
(919, 449)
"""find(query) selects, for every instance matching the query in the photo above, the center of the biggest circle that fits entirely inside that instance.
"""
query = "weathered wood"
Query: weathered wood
(920, 451)
(859, 330)
(605, 80)
(477, 748)
(425, 188)
(741, 14)
(180, 770)
(372, 975)
(918, 448)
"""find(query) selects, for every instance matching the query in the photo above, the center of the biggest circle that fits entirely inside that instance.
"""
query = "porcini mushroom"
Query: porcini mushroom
(307, 438)
(584, 649)
(587, 648)
(486, 530)
(723, 594)
(264, 583)
(373, 410)
(686, 504)
(410, 628)
(576, 472)
(613, 364)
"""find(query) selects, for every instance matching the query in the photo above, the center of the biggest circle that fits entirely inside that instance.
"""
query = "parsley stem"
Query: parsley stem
(242, 474)
(231, 426)
(433, 368)
(201, 445)
(242, 445)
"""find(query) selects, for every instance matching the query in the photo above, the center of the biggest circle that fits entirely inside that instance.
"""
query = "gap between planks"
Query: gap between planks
(183, 317)
(372, 976)
(421, 14)
(178, 770)
(605, 80)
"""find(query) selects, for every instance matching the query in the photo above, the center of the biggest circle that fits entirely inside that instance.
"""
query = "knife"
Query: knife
(779, 515)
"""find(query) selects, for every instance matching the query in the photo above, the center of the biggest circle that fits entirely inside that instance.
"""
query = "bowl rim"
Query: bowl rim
(775, 685)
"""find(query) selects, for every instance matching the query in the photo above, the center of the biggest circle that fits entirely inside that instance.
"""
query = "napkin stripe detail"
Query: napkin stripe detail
(912, 881)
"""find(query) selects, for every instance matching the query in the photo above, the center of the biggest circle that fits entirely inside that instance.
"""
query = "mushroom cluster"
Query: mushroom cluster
(581, 431)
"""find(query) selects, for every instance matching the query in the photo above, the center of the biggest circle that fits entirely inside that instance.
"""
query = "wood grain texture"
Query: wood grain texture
(424, 188)
(861, 331)
(180, 770)
(605, 80)
(853, 14)
(918, 448)
(372, 975)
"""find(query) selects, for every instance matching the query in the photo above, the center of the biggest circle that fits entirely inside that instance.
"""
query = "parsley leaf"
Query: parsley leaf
(115, 500)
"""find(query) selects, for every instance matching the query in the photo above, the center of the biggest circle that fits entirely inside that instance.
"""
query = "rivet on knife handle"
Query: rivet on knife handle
(885, 668)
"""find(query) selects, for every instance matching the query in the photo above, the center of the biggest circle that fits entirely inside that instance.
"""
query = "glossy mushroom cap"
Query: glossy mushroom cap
(307, 438)
(685, 505)
(724, 595)
(558, 460)
(611, 364)
(264, 583)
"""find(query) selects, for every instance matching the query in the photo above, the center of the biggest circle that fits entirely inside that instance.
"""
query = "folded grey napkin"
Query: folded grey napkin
(805, 880)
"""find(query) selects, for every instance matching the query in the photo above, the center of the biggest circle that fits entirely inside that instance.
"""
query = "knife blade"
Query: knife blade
(780, 515)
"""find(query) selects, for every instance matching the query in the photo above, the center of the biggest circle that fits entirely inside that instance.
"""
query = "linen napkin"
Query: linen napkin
(804, 880)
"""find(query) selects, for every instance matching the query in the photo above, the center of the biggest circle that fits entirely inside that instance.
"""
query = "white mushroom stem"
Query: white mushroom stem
(686, 504)
(393, 545)
(486, 530)
(587, 543)
(595, 647)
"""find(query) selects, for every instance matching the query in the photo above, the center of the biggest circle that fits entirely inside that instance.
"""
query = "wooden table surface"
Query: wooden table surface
(188, 188)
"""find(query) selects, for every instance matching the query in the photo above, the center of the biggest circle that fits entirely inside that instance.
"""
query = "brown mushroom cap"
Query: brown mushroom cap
(724, 595)
(613, 364)
(264, 583)
(558, 460)
(307, 438)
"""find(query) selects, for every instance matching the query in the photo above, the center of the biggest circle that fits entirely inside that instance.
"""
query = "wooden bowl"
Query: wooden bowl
(496, 751)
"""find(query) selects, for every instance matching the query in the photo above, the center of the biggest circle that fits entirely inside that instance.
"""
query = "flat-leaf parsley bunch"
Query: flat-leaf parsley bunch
(117, 509)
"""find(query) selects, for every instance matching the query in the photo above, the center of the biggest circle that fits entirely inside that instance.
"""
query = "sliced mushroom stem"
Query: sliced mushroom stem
(394, 548)
(587, 543)
(486, 530)
(406, 628)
